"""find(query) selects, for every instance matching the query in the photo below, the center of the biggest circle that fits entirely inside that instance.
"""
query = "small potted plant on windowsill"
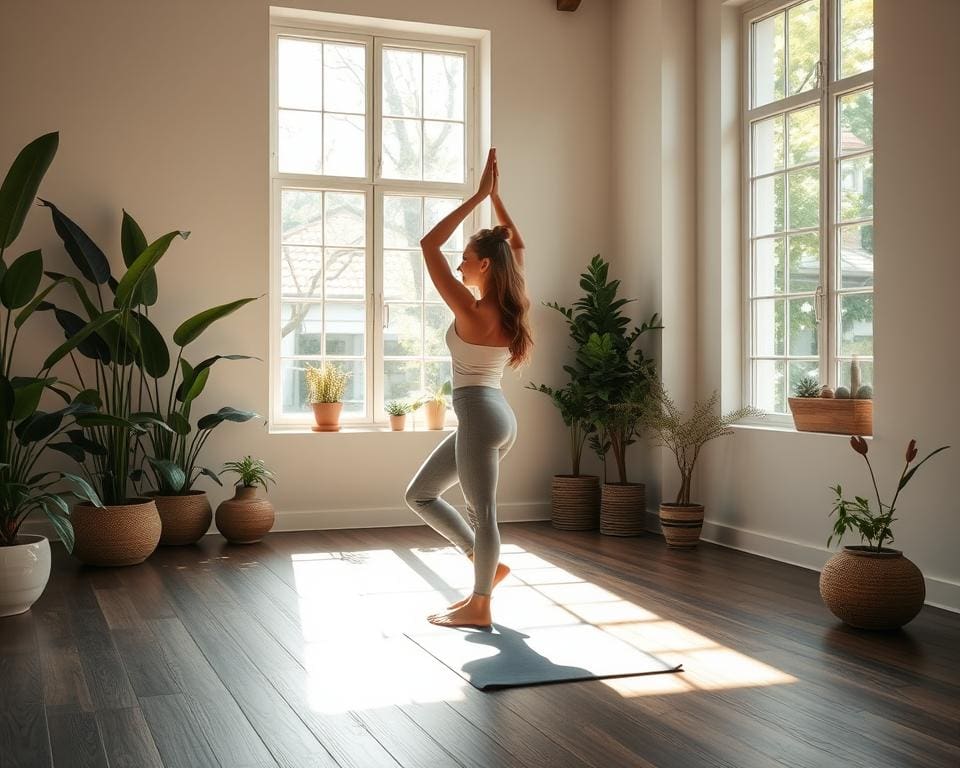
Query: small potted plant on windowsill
(872, 586)
(398, 410)
(326, 386)
(435, 405)
(247, 517)
(842, 412)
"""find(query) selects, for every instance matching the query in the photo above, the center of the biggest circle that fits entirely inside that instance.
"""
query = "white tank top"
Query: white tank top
(475, 365)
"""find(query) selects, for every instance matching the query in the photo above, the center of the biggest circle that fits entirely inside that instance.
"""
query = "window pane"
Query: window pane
(436, 320)
(429, 291)
(768, 266)
(856, 188)
(402, 149)
(300, 138)
(345, 219)
(804, 262)
(301, 217)
(843, 373)
(856, 324)
(768, 386)
(402, 222)
(355, 393)
(401, 379)
(434, 209)
(856, 37)
(799, 369)
(301, 270)
(856, 256)
(803, 328)
(803, 24)
(345, 274)
(443, 77)
(768, 145)
(803, 128)
(804, 208)
(768, 63)
(436, 373)
(346, 326)
(402, 275)
(300, 73)
(443, 151)
(402, 336)
(401, 83)
(856, 121)
(768, 327)
(301, 329)
(344, 78)
(293, 387)
(768, 205)
(344, 147)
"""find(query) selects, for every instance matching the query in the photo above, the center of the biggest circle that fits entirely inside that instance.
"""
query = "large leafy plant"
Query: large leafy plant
(25, 430)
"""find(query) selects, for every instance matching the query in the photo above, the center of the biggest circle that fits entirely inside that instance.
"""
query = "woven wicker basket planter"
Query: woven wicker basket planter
(125, 534)
(681, 524)
(575, 502)
(843, 416)
(185, 518)
(246, 518)
(872, 590)
(623, 507)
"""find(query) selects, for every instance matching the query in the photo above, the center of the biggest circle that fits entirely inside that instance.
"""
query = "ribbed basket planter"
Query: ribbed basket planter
(681, 524)
(185, 518)
(575, 502)
(839, 416)
(327, 416)
(246, 518)
(623, 507)
(125, 534)
(872, 590)
(24, 572)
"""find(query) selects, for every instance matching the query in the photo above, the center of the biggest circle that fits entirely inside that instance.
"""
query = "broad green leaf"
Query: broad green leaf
(38, 427)
(172, 475)
(21, 280)
(90, 446)
(146, 417)
(196, 386)
(85, 253)
(211, 474)
(81, 290)
(62, 525)
(8, 400)
(226, 413)
(179, 423)
(72, 450)
(21, 183)
(89, 396)
(74, 341)
(27, 396)
(191, 328)
(143, 264)
(153, 348)
(133, 243)
(94, 347)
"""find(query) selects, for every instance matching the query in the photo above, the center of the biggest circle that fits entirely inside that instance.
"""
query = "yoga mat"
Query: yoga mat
(505, 657)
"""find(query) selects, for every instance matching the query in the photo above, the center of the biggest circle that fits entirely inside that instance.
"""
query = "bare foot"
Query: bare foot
(501, 573)
(475, 612)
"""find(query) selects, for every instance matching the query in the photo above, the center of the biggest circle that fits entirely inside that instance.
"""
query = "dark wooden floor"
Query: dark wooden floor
(286, 653)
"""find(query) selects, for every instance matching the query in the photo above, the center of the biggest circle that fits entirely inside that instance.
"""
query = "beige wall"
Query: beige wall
(162, 109)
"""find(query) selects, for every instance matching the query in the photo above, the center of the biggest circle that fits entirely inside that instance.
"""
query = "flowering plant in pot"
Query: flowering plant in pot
(326, 386)
(871, 586)
(247, 517)
(685, 436)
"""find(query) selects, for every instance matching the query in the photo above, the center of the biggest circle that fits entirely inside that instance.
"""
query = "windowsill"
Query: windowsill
(773, 426)
(304, 429)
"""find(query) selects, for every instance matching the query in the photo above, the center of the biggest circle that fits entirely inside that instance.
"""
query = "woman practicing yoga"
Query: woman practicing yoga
(485, 335)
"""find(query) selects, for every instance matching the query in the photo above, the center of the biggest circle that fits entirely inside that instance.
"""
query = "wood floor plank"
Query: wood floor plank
(177, 735)
(127, 740)
(24, 739)
(64, 682)
(75, 740)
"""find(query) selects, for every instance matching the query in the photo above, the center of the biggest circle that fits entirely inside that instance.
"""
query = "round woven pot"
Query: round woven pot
(436, 412)
(246, 518)
(681, 524)
(397, 423)
(327, 416)
(872, 590)
(125, 534)
(575, 502)
(24, 572)
(623, 507)
(184, 518)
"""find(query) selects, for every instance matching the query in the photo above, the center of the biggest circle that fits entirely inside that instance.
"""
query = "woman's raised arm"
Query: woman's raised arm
(503, 218)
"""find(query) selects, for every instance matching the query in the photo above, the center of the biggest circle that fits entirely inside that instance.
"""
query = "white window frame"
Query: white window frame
(374, 37)
(826, 94)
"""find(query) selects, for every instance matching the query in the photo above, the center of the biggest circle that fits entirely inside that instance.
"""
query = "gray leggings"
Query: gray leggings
(487, 430)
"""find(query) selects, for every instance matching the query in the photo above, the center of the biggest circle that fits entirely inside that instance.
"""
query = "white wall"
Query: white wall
(162, 109)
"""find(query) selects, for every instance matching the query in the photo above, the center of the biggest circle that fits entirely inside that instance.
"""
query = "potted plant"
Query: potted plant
(326, 386)
(25, 430)
(685, 436)
(247, 518)
(871, 586)
(436, 403)
(398, 410)
(842, 411)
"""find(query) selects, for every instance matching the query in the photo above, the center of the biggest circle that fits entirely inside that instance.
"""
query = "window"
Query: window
(808, 188)
(373, 141)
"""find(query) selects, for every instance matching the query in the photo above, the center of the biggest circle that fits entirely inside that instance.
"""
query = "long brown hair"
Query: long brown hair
(510, 289)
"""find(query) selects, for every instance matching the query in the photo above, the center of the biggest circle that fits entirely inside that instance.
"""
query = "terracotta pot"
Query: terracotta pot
(872, 590)
(681, 524)
(246, 518)
(24, 572)
(397, 423)
(125, 534)
(623, 507)
(575, 502)
(184, 518)
(327, 416)
(436, 414)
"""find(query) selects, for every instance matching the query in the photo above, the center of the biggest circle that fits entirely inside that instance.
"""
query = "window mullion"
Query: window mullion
(827, 335)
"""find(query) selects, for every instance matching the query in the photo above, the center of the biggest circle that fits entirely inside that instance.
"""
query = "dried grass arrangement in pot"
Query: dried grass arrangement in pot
(326, 386)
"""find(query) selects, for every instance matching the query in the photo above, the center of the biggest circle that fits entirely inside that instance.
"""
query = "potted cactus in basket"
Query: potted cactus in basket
(326, 386)
(247, 517)
(398, 410)
(843, 411)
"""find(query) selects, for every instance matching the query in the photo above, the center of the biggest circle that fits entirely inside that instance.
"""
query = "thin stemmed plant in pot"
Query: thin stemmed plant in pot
(398, 410)
(247, 517)
(26, 431)
(326, 386)
(871, 586)
(435, 404)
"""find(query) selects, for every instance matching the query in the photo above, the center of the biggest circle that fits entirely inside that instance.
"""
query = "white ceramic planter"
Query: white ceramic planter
(24, 572)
